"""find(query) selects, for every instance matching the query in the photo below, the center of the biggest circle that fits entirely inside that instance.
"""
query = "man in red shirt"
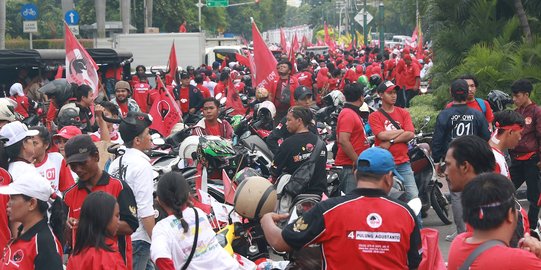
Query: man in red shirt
(365, 229)
(123, 100)
(476, 103)
(305, 77)
(411, 79)
(489, 208)
(393, 129)
(210, 124)
(351, 137)
(281, 89)
(82, 155)
(189, 96)
(222, 83)
(204, 90)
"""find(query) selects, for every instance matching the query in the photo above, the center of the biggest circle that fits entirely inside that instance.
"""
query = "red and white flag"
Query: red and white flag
(264, 60)
(165, 111)
(80, 67)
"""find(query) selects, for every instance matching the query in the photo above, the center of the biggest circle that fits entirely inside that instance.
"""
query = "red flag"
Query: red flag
(165, 111)
(320, 42)
(295, 47)
(59, 73)
(172, 62)
(224, 63)
(264, 60)
(283, 42)
(243, 60)
(292, 51)
(229, 190)
(233, 98)
(327, 36)
(414, 35)
(80, 67)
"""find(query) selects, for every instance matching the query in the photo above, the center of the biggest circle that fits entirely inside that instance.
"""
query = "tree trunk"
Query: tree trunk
(125, 15)
(148, 13)
(99, 6)
(2, 24)
(521, 14)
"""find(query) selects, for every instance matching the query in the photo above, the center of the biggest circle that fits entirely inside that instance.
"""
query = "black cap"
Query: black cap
(184, 75)
(459, 87)
(133, 125)
(79, 148)
(302, 92)
(387, 86)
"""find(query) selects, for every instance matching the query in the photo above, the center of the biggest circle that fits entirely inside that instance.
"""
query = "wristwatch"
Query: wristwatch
(392, 141)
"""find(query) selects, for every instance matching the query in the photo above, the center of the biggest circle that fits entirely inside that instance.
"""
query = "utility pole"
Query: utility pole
(365, 33)
(381, 29)
(125, 7)
(100, 17)
(199, 6)
(148, 5)
(2, 24)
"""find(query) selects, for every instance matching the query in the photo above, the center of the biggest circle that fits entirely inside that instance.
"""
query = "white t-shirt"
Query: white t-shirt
(18, 168)
(501, 164)
(54, 168)
(138, 173)
(170, 242)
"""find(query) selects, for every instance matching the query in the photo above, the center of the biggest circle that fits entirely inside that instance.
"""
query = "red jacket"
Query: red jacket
(275, 88)
(531, 135)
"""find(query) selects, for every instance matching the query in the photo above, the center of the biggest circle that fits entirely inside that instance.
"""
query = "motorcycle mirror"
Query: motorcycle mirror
(427, 119)
(415, 205)
(157, 139)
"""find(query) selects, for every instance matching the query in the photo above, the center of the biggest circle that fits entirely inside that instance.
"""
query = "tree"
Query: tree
(2, 24)
(100, 9)
(523, 20)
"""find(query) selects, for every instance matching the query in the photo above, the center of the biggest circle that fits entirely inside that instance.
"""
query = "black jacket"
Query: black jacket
(456, 121)
(195, 97)
(281, 132)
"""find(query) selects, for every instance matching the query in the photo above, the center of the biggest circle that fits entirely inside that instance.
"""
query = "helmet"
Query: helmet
(59, 89)
(235, 121)
(69, 116)
(261, 93)
(363, 81)
(255, 197)
(7, 109)
(188, 68)
(498, 100)
(244, 174)
(266, 109)
(375, 80)
(335, 98)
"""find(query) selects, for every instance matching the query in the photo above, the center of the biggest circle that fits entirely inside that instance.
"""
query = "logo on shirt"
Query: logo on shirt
(528, 120)
(50, 174)
(300, 225)
(374, 220)
(183, 100)
(17, 257)
(133, 210)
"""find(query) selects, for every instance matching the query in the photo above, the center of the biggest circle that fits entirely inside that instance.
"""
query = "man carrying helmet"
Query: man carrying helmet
(359, 230)
(280, 90)
(210, 124)
(123, 98)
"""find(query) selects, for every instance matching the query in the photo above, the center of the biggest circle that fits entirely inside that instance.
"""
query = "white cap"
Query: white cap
(16, 89)
(30, 184)
(396, 52)
(16, 132)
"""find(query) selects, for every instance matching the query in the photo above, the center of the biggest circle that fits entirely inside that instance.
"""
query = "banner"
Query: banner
(80, 67)
(165, 111)
(263, 59)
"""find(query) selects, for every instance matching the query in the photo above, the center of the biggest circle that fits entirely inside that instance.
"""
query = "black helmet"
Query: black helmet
(188, 68)
(60, 89)
(244, 174)
(375, 80)
(498, 100)
(69, 116)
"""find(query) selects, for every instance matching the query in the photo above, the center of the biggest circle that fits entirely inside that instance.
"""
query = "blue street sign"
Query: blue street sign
(72, 17)
(29, 12)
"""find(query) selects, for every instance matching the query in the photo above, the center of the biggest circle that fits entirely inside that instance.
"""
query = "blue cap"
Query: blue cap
(378, 161)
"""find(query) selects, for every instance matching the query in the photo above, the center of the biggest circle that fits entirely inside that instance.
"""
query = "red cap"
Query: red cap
(68, 132)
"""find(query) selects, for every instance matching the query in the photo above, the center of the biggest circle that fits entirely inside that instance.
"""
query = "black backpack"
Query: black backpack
(300, 179)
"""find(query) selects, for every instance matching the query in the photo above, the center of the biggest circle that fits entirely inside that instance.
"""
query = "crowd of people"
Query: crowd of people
(65, 194)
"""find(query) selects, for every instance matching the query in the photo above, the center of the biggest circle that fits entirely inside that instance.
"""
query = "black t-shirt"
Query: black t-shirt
(293, 152)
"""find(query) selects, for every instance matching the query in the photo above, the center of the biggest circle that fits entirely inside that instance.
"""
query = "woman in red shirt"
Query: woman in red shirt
(96, 247)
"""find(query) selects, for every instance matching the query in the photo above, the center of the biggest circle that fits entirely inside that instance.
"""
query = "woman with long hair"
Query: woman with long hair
(19, 148)
(35, 246)
(96, 246)
(184, 239)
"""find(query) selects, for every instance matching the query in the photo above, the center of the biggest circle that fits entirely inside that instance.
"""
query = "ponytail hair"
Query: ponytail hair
(174, 192)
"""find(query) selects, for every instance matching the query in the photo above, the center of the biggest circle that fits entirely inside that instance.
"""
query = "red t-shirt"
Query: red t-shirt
(379, 123)
(397, 72)
(23, 105)
(97, 258)
(305, 78)
(498, 257)
(489, 115)
(219, 88)
(212, 129)
(350, 122)
(123, 108)
(204, 91)
(141, 95)
(5, 233)
(410, 74)
(184, 97)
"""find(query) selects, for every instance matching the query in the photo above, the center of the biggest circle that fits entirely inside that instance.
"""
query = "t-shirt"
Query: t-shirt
(55, 169)
(5, 233)
(169, 241)
(18, 168)
(498, 257)
(379, 123)
(97, 258)
(350, 122)
(501, 164)
(204, 90)
(410, 74)
(213, 129)
(489, 114)
(363, 230)
(184, 98)
(123, 108)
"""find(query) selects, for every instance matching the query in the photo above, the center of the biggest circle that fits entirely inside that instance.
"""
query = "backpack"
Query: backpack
(301, 177)
(481, 103)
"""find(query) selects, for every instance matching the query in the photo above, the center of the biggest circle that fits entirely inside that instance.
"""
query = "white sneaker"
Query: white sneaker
(450, 237)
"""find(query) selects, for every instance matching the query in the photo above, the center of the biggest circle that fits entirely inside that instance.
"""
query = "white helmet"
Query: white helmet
(266, 105)
(337, 97)
(7, 109)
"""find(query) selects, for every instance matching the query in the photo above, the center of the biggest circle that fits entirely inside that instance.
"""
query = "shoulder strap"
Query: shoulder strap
(481, 103)
(187, 263)
(395, 124)
(478, 251)
(120, 169)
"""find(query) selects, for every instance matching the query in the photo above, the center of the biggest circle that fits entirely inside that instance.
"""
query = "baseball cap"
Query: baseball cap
(302, 92)
(133, 125)
(15, 132)
(378, 161)
(30, 184)
(386, 86)
(122, 85)
(79, 148)
(184, 75)
(459, 87)
(68, 132)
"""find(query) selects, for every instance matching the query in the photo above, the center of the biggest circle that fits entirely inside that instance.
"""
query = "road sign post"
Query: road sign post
(217, 3)
(72, 20)
(30, 14)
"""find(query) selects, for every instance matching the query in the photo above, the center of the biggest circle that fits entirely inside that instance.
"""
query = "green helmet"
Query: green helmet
(235, 121)
(363, 80)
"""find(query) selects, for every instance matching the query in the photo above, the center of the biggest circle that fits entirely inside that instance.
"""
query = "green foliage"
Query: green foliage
(419, 113)
(49, 26)
(20, 43)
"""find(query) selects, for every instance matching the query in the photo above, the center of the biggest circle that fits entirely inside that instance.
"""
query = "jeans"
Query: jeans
(405, 171)
(456, 206)
(527, 171)
(141, 255)
(401, 98)
(348, 182)
(410, 94)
